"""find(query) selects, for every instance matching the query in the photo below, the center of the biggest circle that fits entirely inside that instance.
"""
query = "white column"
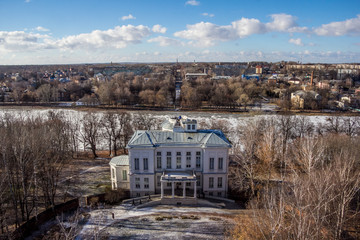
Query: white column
(184, 189)
(162, 189)
(195, 189)
(172, 190)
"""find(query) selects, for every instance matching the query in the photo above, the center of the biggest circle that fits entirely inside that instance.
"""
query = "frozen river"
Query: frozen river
(231, 121)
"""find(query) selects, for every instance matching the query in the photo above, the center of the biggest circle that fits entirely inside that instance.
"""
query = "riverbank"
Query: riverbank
(266, 109)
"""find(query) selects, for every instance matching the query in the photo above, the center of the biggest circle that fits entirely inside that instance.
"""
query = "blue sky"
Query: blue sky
(95, 31)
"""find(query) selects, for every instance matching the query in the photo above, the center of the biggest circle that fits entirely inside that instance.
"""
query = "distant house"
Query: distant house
(88, 100)
(324, 84)
(295, 81)
(300, 99)
(193, 76)
(119, 170)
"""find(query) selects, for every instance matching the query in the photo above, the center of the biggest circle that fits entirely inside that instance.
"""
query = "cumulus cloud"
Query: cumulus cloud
(347, 27)
(206, 34)
(208, 14)
(165, 41)
(248, 26)
(159, 29)
(296, 41)
(41, 29)
(284, 23)
(192, 3)
(128, 17)
(22, 41)
(118, 37)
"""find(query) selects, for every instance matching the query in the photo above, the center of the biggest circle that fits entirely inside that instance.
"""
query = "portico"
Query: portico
(177, 177)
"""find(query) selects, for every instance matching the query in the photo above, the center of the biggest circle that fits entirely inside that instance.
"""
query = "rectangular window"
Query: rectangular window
(193, 127)
(137, 165)
(168, 160)
(198, 159)
(220, 163)
(188, 184)
(146, 164)
(146, 183)
(220, 182)
(137, 182)
(168, 184)
(158, 179)
(158, 160)
(219, 194)
(210, 193)
(198, 183)
(211, 163)
(178, 160)
(211, 182)
(188, 159)
(188, 127)
(124, 173)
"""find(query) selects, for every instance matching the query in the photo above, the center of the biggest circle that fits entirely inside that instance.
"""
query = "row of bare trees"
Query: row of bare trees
(112, 128)
(33, 151)
(303, 180)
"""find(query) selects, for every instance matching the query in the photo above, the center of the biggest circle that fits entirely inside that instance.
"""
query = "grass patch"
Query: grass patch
(192, 217)
(161, 218)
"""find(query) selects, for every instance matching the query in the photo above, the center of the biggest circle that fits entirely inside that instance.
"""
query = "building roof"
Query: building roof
(157, 138)
(122, 160)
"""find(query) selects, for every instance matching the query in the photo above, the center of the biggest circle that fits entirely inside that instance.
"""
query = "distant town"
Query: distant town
(225, 86)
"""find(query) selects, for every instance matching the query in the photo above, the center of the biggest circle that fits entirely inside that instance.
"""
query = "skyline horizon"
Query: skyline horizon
(179, 62)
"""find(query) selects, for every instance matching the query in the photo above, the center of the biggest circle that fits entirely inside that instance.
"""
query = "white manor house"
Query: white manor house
(177, 161)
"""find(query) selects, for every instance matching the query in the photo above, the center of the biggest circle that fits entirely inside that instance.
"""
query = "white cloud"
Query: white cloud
(128, 17)
(296, 41)
(208, 14)
(41, 29)
(27, 1)
(159, 29)
(284, 23)
(118, 37)
(192, 3)
(207, 34)
(347, 27)
(165, 41)
(248, 26)
(22, 41)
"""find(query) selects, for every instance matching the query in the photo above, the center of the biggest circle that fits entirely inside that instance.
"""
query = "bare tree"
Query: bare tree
(90, 133)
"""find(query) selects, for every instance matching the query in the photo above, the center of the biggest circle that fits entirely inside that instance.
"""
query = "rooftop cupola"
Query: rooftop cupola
(189, 125)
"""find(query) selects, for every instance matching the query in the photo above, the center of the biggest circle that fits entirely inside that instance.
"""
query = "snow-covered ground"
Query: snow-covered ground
(178, 223)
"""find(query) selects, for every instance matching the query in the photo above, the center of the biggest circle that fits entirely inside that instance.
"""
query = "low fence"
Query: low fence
(33, 224)
(140, 200)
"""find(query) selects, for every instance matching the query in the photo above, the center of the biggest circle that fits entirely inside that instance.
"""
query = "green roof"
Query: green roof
(156, 138)
(122, 160)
